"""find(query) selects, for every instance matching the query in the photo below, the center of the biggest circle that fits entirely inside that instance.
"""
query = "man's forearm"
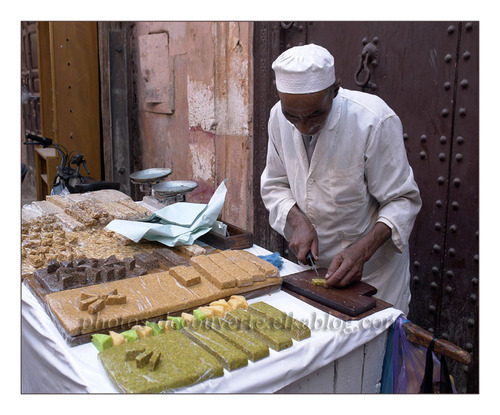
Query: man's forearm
(296, 217)
(374, 239)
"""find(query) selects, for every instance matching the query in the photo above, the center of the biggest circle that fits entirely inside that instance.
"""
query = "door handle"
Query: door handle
(367, 61)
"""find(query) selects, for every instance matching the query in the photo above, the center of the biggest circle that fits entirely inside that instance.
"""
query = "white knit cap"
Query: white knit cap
(304, 69)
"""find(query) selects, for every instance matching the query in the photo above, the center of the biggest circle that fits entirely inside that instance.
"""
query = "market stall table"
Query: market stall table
(340, 356)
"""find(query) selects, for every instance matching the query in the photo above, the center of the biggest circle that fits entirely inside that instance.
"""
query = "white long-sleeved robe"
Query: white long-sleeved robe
(358, 175)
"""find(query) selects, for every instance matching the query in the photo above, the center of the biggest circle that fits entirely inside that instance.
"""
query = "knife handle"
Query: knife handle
(309, 259)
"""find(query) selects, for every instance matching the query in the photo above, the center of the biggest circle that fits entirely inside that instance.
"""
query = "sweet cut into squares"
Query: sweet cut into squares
(239, 259)
(211, 271)
(242, 277)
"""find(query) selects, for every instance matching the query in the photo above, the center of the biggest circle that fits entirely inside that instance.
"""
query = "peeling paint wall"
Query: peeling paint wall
(202, 129)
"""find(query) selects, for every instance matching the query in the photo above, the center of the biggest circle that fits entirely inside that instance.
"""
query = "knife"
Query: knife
(310, 262)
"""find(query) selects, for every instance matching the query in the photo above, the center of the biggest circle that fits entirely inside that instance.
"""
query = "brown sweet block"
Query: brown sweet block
(116, 299)
(169, 258)
(146, 260)
(210, 270)
(97, 306)
(242, 277)
(186, 276)
(149, 296)
(86, 302)
(269, 269)
(248, 266)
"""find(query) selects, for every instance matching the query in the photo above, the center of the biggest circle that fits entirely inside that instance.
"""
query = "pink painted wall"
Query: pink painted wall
(202, 127)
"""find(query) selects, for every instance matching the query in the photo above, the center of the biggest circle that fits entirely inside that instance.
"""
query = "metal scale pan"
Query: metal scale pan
(153, 175)
(173, 191)
(149, 177)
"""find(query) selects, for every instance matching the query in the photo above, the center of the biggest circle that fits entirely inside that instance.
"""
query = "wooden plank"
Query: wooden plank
(422, 337)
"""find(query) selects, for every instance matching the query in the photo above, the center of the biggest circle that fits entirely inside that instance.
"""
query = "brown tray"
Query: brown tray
(238, 238)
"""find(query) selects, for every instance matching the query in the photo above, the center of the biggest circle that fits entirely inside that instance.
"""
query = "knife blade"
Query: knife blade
(311, 263)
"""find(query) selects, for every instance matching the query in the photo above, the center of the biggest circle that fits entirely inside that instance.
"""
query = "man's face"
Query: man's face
(307, 112)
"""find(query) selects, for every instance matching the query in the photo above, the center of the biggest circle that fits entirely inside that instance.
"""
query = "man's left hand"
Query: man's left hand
(346, 267)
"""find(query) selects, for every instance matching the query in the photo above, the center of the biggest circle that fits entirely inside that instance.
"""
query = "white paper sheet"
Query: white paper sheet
(181, 223)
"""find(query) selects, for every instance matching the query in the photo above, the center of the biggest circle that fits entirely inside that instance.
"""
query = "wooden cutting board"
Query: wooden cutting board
(352, 300)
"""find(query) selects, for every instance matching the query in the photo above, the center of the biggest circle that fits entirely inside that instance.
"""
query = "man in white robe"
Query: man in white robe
(337, 182)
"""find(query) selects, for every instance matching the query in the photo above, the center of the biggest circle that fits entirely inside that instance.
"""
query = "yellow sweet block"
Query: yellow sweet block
(241, 299)
(207, 311)
(222, 303)
(188, 318)
(234, 304)
(166, 325)
(218, 310)
(143, 331)
(117, 338)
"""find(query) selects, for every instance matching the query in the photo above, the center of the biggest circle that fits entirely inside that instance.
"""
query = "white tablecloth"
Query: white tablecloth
(49, 365)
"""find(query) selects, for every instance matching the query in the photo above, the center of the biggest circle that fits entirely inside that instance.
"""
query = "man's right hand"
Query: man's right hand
(304, 238)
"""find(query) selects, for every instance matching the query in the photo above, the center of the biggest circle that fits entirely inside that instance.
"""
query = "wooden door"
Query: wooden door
(30, 94)
(428, 73)
(69, 88)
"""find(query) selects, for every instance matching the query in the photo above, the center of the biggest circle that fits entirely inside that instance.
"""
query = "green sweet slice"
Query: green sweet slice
(131, 354)
(228, 355)
(102, 341)
(248, 343)
(155, 327)
(182, 363)
(262, 327)
(154, 360)
(179, 322)
(142, 359)
(296, 329)
(199, 315)
(130, 335)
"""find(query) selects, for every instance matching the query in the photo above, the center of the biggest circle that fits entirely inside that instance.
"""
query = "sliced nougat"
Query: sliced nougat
(243, 278)
(185, 275)
(296, 329)
(249, 344)
(226, 353)
(251, 268)
(212, 272)
(269, 269)
(262, 327)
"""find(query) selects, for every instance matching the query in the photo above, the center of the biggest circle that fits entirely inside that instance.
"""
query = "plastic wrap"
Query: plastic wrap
(262, 327)
(253, 348)
(137, 366)
(296, 329)
(79, 220)
(182, 363)
(226, 353)
(148, 296)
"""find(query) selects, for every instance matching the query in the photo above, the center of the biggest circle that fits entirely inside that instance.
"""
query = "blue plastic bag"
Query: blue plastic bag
(274, 259)
(405, 362)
